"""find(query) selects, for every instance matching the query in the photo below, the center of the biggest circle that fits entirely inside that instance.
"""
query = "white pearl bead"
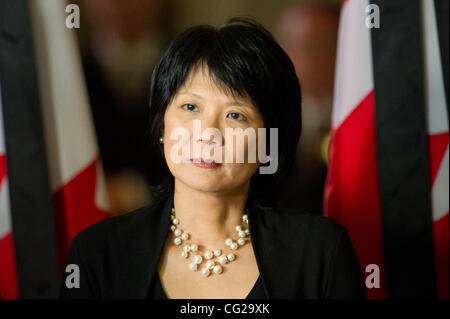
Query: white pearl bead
(217, 252)
(193, 266)
(217, 269)
(175, 221)
(194, 247)
(173, 227)
(198, 259)
(247, 231)
(241, 233)
(172, 217)
(223, 259)
(177, 241)
(238, 228)
(187, 248)
(228, 241)
(173, 209)
(210, 264)
(234, 246)
(205, 272)
(241, 241)
(208, 254)
(245, 218)
(184, 254)
(177, 232)
(231, 257)
(184, 236)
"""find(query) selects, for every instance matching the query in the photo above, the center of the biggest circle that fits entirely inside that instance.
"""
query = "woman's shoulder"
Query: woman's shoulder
(125, 226)
(295, 219)
(298, 226)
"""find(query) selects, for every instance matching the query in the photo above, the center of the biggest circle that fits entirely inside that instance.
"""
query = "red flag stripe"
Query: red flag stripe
(351, 191)
(441, 249)
(75, 207)
(8, 275)
(438, 144)
(2, 169)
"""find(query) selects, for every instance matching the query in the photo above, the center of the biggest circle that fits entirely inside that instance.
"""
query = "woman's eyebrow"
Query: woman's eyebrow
(243, 104)
(193, 94)
(234, 102)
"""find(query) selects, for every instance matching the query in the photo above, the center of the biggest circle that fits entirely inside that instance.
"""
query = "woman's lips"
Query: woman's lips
(199, 162)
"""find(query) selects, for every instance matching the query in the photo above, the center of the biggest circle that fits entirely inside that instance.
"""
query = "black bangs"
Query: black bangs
(243, 59)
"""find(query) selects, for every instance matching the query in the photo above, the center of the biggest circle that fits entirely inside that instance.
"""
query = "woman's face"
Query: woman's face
(201, 99)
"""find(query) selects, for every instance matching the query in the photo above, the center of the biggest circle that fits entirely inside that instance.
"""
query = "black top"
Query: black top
(298, 255)
(156, 290)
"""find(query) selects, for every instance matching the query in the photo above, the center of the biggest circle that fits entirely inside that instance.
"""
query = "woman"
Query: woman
(216, 232)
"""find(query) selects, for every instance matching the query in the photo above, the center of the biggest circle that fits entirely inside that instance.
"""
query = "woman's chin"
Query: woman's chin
(206, 186)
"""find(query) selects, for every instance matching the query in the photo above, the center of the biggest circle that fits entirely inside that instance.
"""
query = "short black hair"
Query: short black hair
(243, 58)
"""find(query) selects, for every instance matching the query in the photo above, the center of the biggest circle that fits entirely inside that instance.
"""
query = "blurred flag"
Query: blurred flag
(351, 189)
(52, 168)
(383, 148)
(438, 140)
(8, 278)
(76, 174)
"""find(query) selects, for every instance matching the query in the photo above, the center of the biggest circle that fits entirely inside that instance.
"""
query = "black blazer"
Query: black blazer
(299, 255)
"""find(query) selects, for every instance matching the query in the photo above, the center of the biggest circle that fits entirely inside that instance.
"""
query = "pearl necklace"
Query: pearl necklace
(215, 260)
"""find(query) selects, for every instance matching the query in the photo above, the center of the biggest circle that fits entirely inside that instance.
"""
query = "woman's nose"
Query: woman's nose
(211, 136)
(211, 131)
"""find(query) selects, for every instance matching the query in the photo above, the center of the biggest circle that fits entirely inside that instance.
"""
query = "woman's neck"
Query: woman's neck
(209, 217)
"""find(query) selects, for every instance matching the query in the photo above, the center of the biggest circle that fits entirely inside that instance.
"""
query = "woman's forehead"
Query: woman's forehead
(202, 84)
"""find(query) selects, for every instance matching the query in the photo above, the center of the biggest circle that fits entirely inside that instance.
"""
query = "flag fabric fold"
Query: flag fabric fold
(49, 161)
(388, 157)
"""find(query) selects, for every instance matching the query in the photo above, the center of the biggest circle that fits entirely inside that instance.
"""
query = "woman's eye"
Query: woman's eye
(189, 107)
(236, 116)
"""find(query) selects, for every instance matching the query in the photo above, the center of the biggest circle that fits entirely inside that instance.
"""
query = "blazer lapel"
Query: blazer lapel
(271, 252)
(139, 265)
(274, 253)
(262, 241)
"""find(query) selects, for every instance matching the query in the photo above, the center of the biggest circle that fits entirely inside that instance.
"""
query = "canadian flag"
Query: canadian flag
(351, 191)
(53, 185)
(388, 170)
(438, 140)
(76, 175)
(8, 277)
